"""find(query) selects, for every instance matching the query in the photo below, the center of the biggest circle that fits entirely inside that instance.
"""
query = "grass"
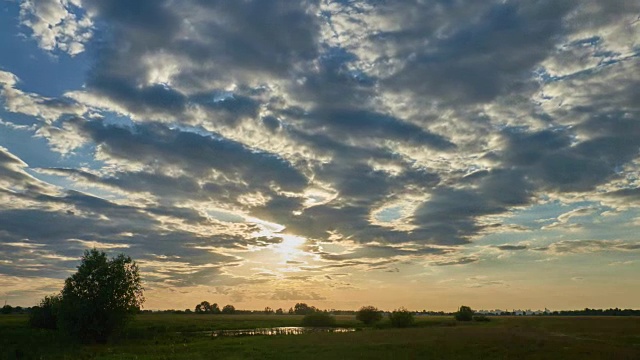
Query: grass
(168, 336)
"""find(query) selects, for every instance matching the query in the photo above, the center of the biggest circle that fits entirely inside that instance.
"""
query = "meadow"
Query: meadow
(173, 336)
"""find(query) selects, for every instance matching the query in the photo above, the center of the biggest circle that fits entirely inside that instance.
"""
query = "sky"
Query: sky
(418, 153)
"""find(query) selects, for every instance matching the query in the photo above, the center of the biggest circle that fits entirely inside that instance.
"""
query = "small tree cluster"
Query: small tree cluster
(206, 308)
(303, 309)
(45, 315)
(97, 301)
(464, 314)
(369, 315)
(401, 318)
(228, 309)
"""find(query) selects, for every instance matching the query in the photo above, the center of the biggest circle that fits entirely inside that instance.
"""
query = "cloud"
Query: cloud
(381, 132)
(589, 246)
(43, 108)
(509, 247)
(57, 24)
(294, 295)
(563, 219)
(459, 261)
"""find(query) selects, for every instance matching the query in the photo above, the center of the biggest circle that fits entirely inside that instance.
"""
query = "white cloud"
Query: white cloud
(57, 24)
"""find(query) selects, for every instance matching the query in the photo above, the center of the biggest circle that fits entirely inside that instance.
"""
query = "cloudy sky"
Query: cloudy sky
(341, 153)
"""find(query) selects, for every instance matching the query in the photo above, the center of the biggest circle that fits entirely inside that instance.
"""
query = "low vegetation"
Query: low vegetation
(319, 319)
(369, 315)
(464, 314)
(401, 318)
(170, 336)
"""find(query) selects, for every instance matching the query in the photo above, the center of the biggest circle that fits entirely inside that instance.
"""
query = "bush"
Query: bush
(45, 315)
(481, 318)
(369, 315)
(101, 297)
(228, 309)
(401, 318)
(464, 314)
(319, 319)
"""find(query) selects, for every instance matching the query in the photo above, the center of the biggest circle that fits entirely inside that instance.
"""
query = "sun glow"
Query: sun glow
(291, 246)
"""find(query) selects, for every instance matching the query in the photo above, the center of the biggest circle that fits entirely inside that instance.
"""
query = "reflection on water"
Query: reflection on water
(279, 331)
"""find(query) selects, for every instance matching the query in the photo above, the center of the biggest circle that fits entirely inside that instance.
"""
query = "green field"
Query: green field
(167, 336)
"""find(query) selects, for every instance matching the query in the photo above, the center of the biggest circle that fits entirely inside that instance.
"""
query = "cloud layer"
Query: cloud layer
(381, 133)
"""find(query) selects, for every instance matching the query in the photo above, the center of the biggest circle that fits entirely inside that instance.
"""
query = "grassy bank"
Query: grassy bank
(167, 336)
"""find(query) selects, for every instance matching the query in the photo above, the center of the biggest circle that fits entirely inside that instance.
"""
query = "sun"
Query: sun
(291, 246)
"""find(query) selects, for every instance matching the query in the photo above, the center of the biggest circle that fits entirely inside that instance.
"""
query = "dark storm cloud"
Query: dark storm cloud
(355, 124)
(508, 247)
(69, 221)
(165, 60)
(197, 154)
(589, 246)
(382, 252)
(126, 228)
(554, 160)
(477, 60)
(221, 38)
(460, 261)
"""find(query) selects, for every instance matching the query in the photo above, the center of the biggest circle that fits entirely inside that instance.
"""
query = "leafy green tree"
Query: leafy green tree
(369, 315)
(203, 308)
(228, 309)
(303, 309)
(7, 309)
(101, 297)
(45, 315)
(215, 309)
(464, 314)
(279, 311)
(401, 318)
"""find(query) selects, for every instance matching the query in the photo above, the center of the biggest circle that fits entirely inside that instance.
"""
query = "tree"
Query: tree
(279, 311)
(303, 309)
(369, 315)
(215, 309)
(268, 310)
(45, 315)
(7, 309)
(228, 309)
(101, 297)
(464, 314)
(203, 308)
(401, 318)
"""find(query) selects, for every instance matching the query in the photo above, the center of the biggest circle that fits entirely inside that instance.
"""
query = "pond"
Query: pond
(290, 330)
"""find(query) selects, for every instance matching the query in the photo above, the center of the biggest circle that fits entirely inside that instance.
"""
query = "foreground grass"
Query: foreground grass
(166, 336)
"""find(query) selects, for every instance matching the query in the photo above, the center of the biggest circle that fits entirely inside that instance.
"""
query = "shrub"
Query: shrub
(481, 318)
(401, 318)
(319, 319)
(228, 309)
(369, 315)
(45, 315)
(101, 297)
(464, 314)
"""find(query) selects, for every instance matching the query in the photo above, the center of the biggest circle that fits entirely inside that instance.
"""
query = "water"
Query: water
(291, 330)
